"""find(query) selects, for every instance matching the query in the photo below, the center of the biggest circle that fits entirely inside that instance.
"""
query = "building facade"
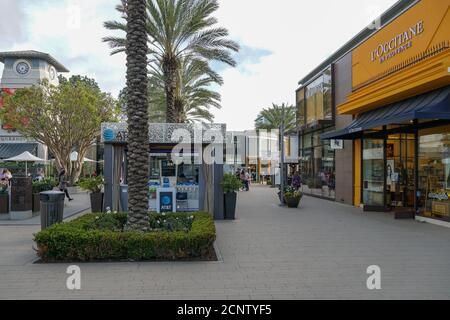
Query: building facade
(24, 69)
(391, 98)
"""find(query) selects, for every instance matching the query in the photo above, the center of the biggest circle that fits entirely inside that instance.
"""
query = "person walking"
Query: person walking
(247, 178)
(63, 183)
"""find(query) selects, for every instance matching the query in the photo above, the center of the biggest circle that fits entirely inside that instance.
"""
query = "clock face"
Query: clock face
(22, 68)
(52, 73)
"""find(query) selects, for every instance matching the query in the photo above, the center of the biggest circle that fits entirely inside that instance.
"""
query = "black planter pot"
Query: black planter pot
(292, 202)
(97, 202)
(36, 203)
(229, 202)
(4, 203)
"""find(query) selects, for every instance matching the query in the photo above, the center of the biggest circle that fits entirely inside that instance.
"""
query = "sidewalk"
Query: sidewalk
(319, 251)
(79, 204)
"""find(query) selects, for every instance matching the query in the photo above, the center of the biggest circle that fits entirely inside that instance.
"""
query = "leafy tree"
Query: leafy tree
(63, 118)
(178, 29)
(137, 115)
(193, 95)
(272, 118)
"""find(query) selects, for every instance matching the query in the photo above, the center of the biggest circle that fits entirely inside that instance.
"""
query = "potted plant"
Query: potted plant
(4, 197)
(46, 184)
(94, 185)
(231, 184)
(292, 197)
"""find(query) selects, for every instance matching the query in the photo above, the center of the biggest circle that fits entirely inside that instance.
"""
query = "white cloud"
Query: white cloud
(299, 33)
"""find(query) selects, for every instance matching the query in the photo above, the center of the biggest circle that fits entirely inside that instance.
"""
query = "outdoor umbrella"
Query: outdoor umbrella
(74, 157)
(25, 157)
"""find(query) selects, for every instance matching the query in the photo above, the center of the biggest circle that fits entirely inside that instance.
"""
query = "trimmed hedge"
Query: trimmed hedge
(82, 240)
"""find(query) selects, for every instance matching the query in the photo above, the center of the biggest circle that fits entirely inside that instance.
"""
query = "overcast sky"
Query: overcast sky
(281, 42)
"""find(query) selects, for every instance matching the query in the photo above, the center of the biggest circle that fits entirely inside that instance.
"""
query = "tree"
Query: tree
(137, 116)
(193, 96)
(64, 118)
(178, 29)
(271, 118)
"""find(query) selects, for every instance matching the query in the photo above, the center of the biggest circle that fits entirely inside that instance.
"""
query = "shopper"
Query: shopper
(247, 180)
(63, 184)
(296, 181)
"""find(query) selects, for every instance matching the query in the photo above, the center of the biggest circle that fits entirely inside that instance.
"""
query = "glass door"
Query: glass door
(373, 172)
(400, 169)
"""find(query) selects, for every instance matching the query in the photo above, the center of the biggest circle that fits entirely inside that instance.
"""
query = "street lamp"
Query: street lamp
(282, 128)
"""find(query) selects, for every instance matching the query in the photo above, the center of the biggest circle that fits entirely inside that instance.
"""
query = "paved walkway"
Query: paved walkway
(79, 204)
(321, 250)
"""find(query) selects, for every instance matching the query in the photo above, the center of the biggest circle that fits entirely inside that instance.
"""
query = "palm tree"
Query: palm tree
(137, 113)
(178, 29)
(271, 118)
(193, 97)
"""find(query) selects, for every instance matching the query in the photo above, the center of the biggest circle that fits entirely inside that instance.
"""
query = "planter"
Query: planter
(4, 203)
(292, 202)
(97, 202)
(36, 203)
(229, 202)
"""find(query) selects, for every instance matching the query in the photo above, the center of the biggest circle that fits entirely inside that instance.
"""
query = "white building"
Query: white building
(23, 69)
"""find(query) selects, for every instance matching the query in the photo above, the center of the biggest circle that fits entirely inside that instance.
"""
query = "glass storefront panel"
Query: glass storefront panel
(434, 173)
(319, 98)
(301, 103)
(373, 172)
(316, 166)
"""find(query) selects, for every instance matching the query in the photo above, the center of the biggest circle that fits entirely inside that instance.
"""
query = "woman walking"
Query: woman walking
(63, 184)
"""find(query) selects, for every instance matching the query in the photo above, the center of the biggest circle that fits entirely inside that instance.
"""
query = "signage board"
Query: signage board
(415, 31)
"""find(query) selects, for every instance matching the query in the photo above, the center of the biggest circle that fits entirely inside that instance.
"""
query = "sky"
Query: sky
(281, 41)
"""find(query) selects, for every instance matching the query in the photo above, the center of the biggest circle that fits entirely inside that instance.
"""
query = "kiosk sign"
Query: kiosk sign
(166, 202)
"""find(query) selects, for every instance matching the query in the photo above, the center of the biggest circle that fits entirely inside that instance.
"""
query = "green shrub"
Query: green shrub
(231, 183)
(101, 238)
(46, 184)
(92, 184)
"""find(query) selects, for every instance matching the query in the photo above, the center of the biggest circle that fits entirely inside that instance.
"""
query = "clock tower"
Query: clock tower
(24, 69)
(27, 68)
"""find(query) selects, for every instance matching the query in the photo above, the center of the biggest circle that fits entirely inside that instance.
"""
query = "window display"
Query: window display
(434, 174)
(182, 179)
(373, 172)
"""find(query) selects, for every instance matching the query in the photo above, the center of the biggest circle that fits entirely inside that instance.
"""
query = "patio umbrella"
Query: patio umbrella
(25, 157)
(74, 157)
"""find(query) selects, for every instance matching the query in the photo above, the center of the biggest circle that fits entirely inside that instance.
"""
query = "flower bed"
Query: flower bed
(101, 237)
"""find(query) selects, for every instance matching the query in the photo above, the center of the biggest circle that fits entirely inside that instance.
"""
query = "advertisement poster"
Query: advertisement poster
(166, 202)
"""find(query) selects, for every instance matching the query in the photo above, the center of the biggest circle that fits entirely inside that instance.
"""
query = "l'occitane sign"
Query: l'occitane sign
(425, 24)
(397, 44)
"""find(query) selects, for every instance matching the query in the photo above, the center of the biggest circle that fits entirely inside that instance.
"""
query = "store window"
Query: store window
(434, 173)
(373, 172)
(301, 103)
(317, 165)
(319, 99)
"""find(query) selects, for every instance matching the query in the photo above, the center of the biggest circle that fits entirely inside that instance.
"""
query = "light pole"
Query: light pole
(282, 128)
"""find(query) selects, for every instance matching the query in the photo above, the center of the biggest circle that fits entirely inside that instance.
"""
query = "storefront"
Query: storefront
(315, 114)
(180, 180)
(400, 103)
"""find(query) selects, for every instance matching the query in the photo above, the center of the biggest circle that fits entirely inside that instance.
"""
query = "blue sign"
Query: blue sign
(109, 135)
(166, 202)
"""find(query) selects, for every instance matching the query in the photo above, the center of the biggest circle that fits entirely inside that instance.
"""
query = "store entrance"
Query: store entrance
(400, 168)
(388, 172)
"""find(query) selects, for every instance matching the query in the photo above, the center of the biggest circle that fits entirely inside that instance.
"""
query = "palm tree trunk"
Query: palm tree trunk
(137, 100)
(169, 66)
(179, 112)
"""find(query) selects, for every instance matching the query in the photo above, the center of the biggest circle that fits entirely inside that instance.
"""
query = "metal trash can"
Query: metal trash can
(52, 208)
(124, 197)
